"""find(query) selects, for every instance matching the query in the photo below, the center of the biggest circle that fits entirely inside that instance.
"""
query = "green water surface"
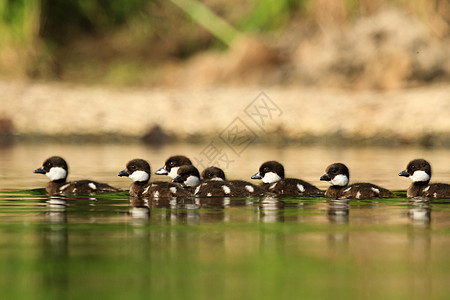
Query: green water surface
(254, 248)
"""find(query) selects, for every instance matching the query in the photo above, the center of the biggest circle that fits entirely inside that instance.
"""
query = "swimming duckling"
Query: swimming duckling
(57, 170)
(338, 175)
(419, 171)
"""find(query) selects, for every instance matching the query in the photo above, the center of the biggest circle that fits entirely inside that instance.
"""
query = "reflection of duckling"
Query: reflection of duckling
(338, 175)
(338, 211)
(419, 171)
(272, 175)
(138, 170)
(57, 209)
(57, 170)
(214, 202)
(139, 211)
(420, 215)
(271, 209)
(420, 211)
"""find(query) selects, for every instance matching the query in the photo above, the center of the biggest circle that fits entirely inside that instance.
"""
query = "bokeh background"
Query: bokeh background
(100, 82)
(352, 71)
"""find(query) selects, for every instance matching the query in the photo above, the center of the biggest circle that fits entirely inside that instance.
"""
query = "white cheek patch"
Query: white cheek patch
(419, 176)
(173, 172)
(92, 185)
(56, 173)
(249, 188)
(271, 177)
(192, 181)
(339, 180)
(173, 190)
(300, 187)
(139, 176)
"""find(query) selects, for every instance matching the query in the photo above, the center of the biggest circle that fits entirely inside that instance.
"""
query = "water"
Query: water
(244, 248)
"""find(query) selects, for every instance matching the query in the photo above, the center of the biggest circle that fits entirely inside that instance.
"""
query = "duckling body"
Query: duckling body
(138, 170)
(240, 187)
(338, 175)
(57, 170)
(419, 171)
(271, 174)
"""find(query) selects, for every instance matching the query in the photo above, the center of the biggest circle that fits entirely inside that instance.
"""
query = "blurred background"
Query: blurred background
(231, 84)
(363, 70)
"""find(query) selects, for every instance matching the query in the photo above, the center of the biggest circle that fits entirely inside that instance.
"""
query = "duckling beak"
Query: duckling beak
(123, 173)
(178, 179)
(39, 170)
(404, 173)
(325, 177)
(256, 176)
(161, 171)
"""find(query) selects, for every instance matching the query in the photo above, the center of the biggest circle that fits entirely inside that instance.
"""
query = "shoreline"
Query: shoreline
(57, 111)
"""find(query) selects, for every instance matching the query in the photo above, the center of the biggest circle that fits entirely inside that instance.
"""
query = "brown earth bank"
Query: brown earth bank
(232, 115)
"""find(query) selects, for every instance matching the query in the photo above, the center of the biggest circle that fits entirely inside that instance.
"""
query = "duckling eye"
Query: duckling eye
(266, 169)
(413, 167)
(133, 167)
(171, 164)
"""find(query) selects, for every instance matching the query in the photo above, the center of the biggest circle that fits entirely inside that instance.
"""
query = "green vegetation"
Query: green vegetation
(80, 39)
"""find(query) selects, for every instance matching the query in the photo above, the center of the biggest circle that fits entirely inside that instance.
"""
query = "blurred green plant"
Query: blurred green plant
(44, 37)
(267, 15)
(19, 20)
(204, 16)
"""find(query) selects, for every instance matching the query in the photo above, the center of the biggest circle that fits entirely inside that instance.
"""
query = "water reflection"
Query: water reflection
(186, 210)
(55, 247)
(271, 209)
(57, 209)
(146, 245)
(338, 214)
(420, 249)
(140, 215)
(420, 212)
(338, 211)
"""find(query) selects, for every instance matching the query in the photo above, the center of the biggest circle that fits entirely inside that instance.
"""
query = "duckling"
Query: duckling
(243, 188)
(272, 175)
(57, 170)
(172, 165)
(419, 171)
(338, 175)
(138, 170)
